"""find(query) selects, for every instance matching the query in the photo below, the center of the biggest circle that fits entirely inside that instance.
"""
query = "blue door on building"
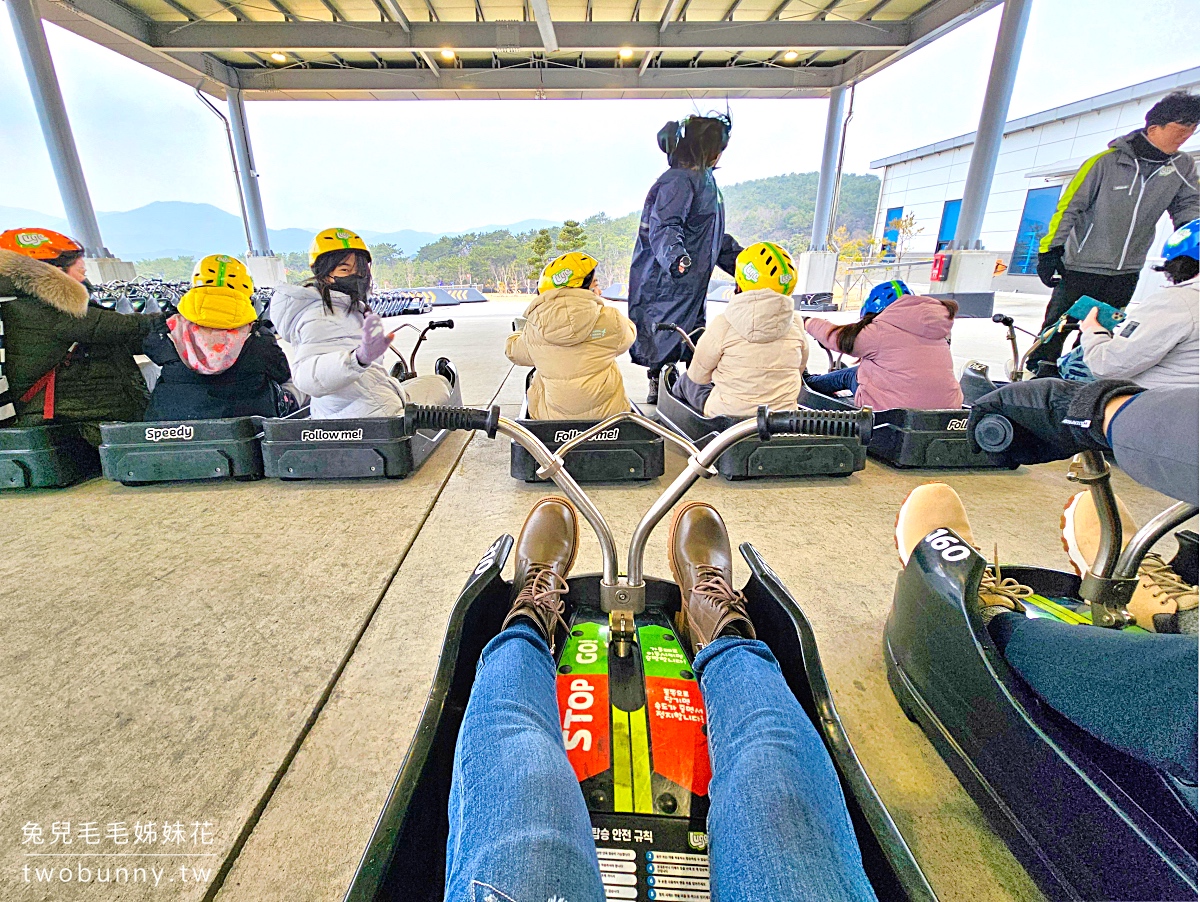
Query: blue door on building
(1035, 222)
(949, 223)
(890, 232)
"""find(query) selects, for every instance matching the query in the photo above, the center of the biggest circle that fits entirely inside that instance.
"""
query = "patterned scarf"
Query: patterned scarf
(207, 351)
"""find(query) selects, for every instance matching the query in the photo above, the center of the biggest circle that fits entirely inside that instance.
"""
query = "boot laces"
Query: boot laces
(1002, 590)
(714, 588)
(543, 593)
(1158, 576)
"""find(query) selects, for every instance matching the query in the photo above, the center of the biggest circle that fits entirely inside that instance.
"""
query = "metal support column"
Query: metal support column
(991, 122)
(56, 128)
(822, 215)
(260, 245)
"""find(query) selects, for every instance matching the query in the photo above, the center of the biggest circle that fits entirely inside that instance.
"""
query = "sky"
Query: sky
(452, 165)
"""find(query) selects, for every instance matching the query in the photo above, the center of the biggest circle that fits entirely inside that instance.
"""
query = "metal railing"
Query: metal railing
(856, 280)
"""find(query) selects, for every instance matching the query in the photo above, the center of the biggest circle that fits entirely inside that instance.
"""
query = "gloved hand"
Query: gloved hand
(1052, 419)
(1050, 266)
(375, 341)
(680, 267)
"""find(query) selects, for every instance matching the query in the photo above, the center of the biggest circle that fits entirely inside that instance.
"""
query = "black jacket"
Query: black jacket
(248, 388)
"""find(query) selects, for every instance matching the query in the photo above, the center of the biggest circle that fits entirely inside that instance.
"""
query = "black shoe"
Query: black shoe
(445, 369)
(652, 394)
(545, 552)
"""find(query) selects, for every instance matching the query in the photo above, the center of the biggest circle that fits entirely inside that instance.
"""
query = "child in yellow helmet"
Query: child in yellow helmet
(573, 339)
(338, 343)
(218, 360)
(754, 352)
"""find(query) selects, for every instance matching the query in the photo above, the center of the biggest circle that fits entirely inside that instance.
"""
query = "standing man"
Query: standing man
(681, 238)
(1107, 215)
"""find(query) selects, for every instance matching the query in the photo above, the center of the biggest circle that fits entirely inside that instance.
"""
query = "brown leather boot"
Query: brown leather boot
(702, 563)
(545, 552)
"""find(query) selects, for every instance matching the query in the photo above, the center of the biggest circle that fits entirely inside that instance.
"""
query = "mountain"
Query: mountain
(781, 207)
(180, 229)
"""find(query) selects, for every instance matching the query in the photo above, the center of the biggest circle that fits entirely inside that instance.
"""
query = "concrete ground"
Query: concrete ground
(254, 657)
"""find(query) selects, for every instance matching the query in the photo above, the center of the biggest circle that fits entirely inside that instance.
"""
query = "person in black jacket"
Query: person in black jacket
(218, 359)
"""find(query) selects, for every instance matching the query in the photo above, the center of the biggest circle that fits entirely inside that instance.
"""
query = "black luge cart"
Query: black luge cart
(55, 456)
(904, 438)
(182, 450)
(622, 635)
(832, 445)
(612, 450)
(299, 447)
(839, 453)
(366, 448)
(1086, 820)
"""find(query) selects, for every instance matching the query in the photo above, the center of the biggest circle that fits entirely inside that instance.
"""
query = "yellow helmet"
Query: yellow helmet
(765, 265)
(217, 307)
(335, 240)
(567, 271)
(221, 271)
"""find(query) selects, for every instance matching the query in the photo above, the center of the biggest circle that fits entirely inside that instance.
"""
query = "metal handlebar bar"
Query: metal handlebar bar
(672, 327)
(629, 593)
(436, 324)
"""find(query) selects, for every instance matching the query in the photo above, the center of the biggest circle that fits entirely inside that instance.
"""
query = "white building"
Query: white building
(1039, 155)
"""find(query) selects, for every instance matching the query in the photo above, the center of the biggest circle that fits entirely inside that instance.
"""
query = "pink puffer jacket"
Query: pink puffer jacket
(903, 356)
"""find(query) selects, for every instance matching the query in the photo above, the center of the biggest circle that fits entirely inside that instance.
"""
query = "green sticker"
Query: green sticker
(661, 657)
(586, 651)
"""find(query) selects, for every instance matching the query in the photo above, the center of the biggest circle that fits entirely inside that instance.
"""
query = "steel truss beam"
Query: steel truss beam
(186, 51)
(756, 80)
(571, 36)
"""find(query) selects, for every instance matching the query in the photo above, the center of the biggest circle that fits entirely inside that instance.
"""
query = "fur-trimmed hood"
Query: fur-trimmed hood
(53, 287)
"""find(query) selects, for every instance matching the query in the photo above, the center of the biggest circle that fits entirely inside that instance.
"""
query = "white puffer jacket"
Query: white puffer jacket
(324, 365)
(753, 353)
(1158, 343)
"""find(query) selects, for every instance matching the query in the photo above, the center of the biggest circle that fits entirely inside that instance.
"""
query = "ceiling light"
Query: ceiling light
(626, 53)
(279, 57)
(792, 55)
(448, 54)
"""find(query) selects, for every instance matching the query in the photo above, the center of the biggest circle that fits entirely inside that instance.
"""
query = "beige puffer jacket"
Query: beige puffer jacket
(753, 354)
(574, 340)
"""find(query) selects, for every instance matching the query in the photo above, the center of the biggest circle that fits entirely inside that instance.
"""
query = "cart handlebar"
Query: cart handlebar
(842, 423)
(453, 418)
(672, 327)
(629, 591)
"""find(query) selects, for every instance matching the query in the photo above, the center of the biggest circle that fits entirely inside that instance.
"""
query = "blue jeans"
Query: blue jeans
(834, 381)
(1136, 692)
(519, 828)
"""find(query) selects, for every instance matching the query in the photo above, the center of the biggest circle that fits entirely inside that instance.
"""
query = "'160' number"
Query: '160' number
(951, 548)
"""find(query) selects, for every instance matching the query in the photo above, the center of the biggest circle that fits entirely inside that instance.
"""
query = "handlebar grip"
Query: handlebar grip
(665, 327)
(457, 418)
(442, 324)
(994, 433)
(835, 423)
(1002, 318)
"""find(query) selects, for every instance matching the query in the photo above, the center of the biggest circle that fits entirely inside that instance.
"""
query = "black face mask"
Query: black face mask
(357, 286)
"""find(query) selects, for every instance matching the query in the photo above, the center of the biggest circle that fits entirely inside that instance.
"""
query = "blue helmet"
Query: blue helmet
(882, 295)
(1184, 242)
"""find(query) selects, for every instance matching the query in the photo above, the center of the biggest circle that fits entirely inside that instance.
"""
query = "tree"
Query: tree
(571, 237)
(385, 254)
(539, 252)
(173, 269)
(905, 228)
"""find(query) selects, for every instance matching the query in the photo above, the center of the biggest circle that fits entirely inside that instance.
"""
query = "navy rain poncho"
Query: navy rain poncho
(684, 213)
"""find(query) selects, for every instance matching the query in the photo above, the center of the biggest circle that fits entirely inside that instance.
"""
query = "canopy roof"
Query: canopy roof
(514, 49)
